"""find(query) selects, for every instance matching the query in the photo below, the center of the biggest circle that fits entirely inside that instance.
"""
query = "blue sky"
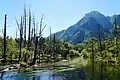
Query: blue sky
(59, 14)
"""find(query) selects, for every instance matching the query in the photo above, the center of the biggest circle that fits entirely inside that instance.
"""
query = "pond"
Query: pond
(43, 74)
(48, 74)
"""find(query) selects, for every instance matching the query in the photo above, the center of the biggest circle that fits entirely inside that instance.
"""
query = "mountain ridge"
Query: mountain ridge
(87, 27)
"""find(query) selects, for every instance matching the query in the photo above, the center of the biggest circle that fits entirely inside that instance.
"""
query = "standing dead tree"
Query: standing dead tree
(29, 40)
(24, 21)
(50, 50)
(54, 47)
(36, 38)
(116, 34)
(20, 27)
(35, 51)
(93, 41)
(4, 51)
(100, 47)
(92, 61)
(34, 28)
(40, 37)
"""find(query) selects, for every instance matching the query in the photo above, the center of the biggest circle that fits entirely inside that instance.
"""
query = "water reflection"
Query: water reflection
(77, 74)
(74, 75)
(38, 75)
(33, 78)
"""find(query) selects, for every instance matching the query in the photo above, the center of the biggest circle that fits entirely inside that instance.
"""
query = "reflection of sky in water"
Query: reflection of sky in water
(38, 75)
(46, 75)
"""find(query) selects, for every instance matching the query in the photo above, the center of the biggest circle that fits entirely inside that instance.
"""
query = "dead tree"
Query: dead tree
(35, 51)
(50, 50)
(54, 47)
(40, 38)
(24, 26)
(100, 47)
(20, 27)
(92, 61)
(34, 28)
(35, 41)
(116, 34)
(4, 51)
(93, 41)
(21, 38)
(29, 44)
(32, 42)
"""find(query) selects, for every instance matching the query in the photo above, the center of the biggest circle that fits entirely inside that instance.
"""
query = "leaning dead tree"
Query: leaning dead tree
(4, 51)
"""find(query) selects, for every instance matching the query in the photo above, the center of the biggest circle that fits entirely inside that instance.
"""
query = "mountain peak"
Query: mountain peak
(94, 13)
(86, 27)
(101, 19)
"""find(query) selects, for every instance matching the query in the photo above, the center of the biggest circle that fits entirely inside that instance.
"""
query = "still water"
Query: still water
(44, 74)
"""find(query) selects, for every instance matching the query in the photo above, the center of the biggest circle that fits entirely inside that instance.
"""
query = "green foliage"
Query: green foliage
(60, 50)
(74, 54)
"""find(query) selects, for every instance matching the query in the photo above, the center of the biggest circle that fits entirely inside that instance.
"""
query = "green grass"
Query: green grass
(70, 64)
(76, 62)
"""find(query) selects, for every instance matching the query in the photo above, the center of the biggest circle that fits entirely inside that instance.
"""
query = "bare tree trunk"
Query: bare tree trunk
(4, 53)
(50, 46)
(35, 52)
(54, 48)
(21, 33)
(34, 28)
(35, 40)
(29, 30)
(116, 42)
(24, 26)
(40, 41)
(32, 42)
(92, 60)
(40, 34)
(100, 45)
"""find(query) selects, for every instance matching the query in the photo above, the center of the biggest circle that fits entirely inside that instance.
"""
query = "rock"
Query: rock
(36, 65)
(64, 60)
(7, 69)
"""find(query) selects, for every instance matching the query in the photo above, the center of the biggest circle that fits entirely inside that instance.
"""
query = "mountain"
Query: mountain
(88, 26)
